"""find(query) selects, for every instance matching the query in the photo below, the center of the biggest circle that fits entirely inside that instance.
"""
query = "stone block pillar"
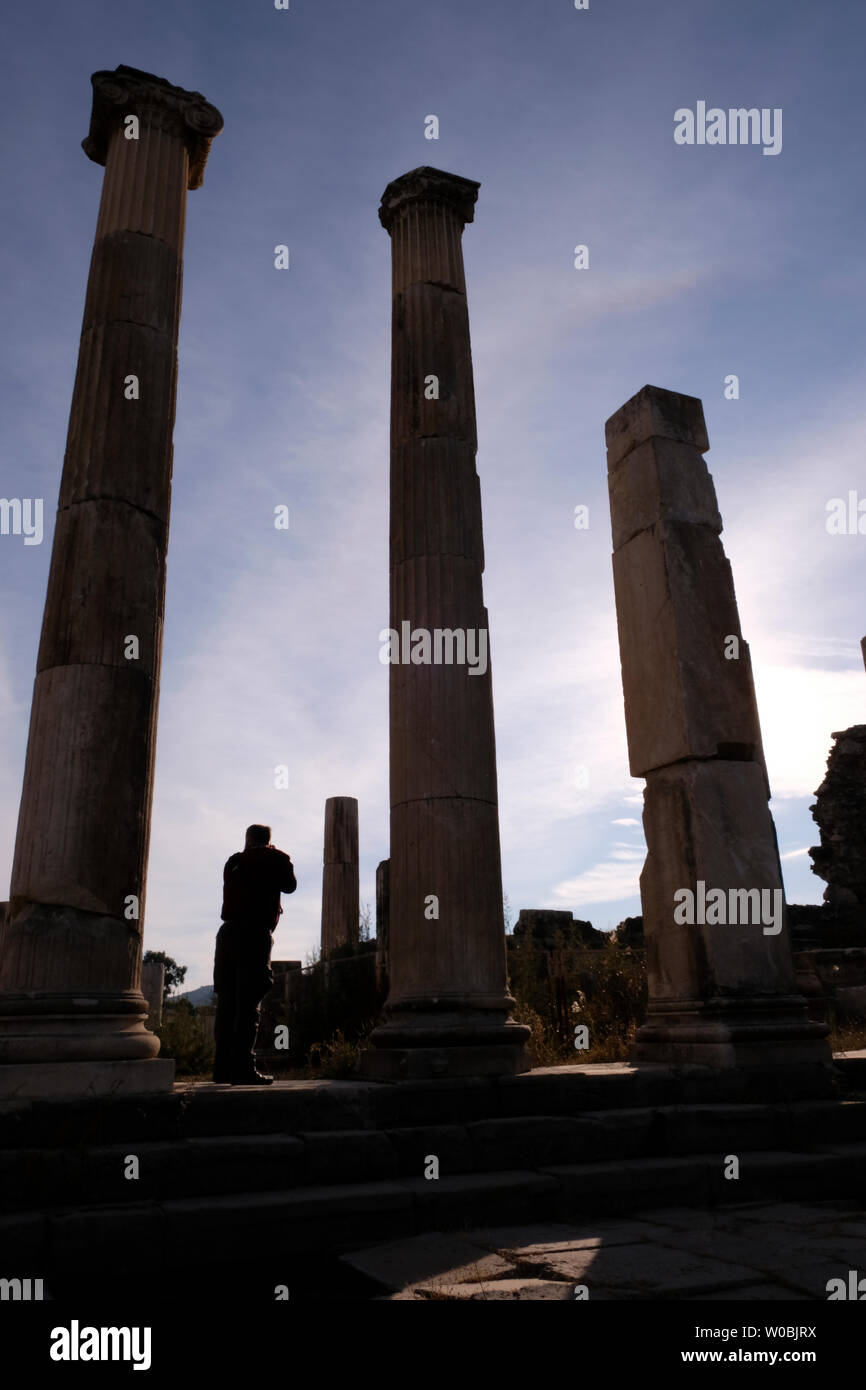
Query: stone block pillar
(72, 1015)
(448, 1007)
(340, 888)
(383, 919)
(719, 963)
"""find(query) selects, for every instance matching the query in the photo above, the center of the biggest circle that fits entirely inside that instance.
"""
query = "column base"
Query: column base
(430, 1063)
(71, 1080)
(775, 1032)
(415, 1047)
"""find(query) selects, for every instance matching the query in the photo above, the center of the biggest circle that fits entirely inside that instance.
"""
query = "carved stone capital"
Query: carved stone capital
(129, 92)
(426, 185)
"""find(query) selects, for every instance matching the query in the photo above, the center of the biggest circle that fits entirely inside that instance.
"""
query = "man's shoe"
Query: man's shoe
(221, 1079)
(252, 1078)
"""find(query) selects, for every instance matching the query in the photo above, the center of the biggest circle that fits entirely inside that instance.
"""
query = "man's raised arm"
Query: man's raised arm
(288, 882)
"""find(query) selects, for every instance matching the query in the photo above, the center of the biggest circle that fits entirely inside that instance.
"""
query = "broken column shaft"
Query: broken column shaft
(340, 908)
(71, 1008)
(448, 1008)
(721, 991)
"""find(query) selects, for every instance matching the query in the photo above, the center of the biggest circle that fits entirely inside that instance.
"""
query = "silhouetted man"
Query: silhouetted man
(252, 884)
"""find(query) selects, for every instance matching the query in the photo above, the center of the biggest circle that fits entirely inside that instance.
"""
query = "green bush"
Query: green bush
(338, 1057)
(183, 1037)
(564, 986)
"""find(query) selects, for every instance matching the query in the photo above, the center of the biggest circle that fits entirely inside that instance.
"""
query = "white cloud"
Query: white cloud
(612, 880)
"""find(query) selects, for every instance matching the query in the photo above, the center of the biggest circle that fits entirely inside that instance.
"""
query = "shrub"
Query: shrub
(184, 1037)
(563, 986)
(338, 1057)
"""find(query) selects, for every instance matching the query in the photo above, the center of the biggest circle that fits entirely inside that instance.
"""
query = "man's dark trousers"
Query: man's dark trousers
(242, 978)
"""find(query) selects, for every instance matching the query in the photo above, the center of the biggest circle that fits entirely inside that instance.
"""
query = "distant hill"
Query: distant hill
(202, 995)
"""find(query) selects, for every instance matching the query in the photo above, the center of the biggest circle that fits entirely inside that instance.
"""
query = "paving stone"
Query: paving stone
(659, 1270)
(514, 1237)
(751, 1249)
(512, 1289)
(595, 1237)
(843, 1247)
(414, 1261)
(752, 1292)
(686, 1218)
(734, 1254)
(791, 1213)
(811, 1277)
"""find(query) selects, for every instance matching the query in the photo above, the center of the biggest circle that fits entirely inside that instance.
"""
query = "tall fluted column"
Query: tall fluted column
(719, 964)
(383, 916)
(340, 884)
(71, 1008)
(448, 1008)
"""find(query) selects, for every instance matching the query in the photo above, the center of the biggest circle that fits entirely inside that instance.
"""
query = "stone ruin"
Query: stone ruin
(255, 1186)
(340, 892)
(72, 1015)
(547, 927)
(721, 989)
(840, 813)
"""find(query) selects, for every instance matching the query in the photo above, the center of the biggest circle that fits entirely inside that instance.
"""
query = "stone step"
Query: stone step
(207, 1166)
(290, 1107)
(187, 1238)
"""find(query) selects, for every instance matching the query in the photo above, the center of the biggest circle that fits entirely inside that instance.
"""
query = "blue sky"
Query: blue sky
(704, 261)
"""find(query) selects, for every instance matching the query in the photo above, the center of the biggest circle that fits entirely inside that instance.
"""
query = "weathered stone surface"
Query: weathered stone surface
(840, 813)
(545, 928)
(436, 501)
(117, 551)
(340, 904)
(411, 1262)
(81, 852)
(709, 821)
(442, 739)
(663, 1272)
(729, 1258)
(675, 609)
(654, 412)
(135, 280)
(161, 107)
(116, 448)
(48, 1081)
(661, 480)
(431, 339)
(494, 1290)
(424, 213)
(447, 1010)
(383, 921)
(81, 775)
(152, 985)
(721, 992)
(452, 963)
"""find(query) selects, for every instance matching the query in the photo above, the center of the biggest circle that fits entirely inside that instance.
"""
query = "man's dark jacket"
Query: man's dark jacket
(252, 883)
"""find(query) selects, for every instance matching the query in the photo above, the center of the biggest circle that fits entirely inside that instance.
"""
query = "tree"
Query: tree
(174, 974)
(506, 912)
(365, 925)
